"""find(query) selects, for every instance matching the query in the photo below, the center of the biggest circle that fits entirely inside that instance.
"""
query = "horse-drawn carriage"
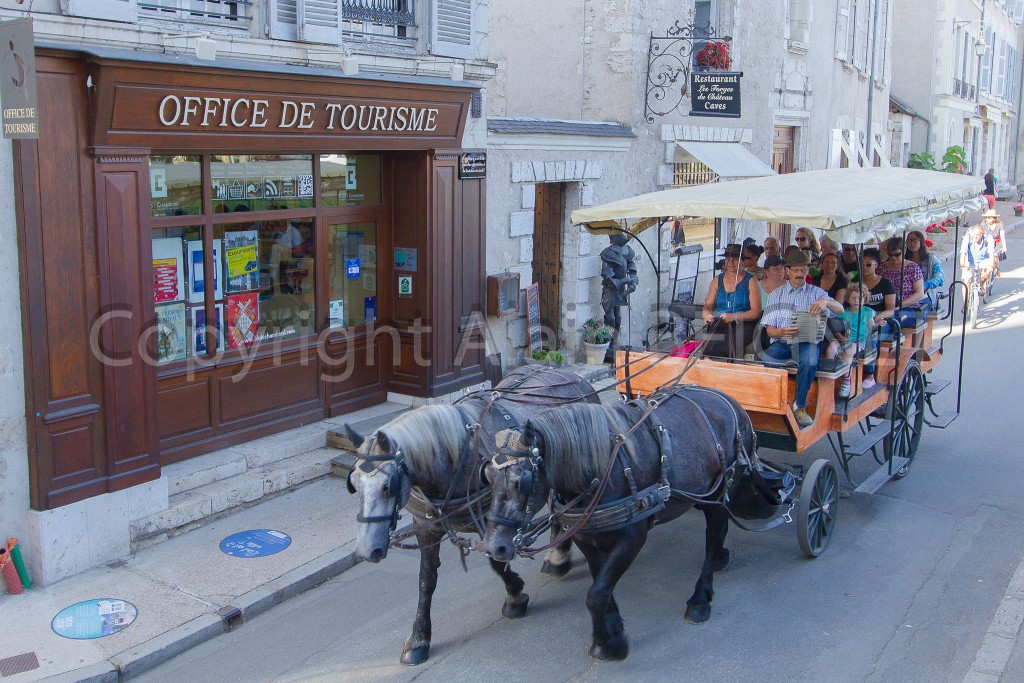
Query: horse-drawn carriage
(686, 435)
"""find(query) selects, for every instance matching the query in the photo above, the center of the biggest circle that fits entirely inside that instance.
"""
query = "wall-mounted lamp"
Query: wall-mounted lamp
(349, 62)
(457, 71)
(981, 47)
(205, 47)
(350, 65)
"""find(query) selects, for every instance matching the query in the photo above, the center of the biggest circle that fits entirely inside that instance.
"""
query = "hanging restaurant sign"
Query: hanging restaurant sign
(715, 93)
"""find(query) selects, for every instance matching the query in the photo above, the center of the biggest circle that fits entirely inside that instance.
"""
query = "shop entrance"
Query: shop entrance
(782, 161)
(548, 213)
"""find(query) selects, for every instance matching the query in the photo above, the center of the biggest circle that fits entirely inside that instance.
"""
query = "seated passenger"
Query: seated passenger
(908, 281)
(795, 296)
(832, 279)
(735, 299)
(860, 322)
(934, 278)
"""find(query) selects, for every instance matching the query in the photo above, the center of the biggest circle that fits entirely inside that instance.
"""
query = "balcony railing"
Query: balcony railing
(963, 89)
(397, 12)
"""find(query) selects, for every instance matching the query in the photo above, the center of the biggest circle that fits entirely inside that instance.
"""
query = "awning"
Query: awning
(727, 159)
(854, 204)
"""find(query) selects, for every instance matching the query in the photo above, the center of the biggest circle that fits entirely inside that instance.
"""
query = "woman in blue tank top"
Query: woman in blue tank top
(733, 301)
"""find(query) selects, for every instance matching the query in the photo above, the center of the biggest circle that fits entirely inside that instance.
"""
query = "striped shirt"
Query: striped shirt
(786, 300)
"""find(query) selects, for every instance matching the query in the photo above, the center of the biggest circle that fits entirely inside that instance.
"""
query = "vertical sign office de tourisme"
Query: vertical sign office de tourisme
(715, 93)
(18, 80)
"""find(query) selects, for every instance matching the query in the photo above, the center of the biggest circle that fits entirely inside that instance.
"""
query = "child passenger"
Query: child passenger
(861, 322)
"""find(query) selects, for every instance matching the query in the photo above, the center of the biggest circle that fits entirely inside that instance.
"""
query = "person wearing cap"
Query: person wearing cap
(796, 295)
(732, 300)
(994, 225)
(849, 260)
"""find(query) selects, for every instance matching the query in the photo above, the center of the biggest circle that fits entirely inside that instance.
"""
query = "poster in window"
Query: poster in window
(170, 332)
(242, 262)
(168, 270)
(243, 315)
(197, 278)
(198, 331)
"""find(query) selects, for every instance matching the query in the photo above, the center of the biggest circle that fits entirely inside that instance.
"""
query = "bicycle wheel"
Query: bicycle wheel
(973, 304)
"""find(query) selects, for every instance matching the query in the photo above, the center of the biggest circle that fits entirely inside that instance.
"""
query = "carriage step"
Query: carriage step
(935, 386)
(881, 475)
(864, 443)
(941, 421)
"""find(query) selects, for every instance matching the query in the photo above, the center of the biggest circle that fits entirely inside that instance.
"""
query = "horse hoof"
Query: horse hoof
(514, 608)
(411, 656)
(615, 651)
(555, 570)
(722, 561)
(697, 614)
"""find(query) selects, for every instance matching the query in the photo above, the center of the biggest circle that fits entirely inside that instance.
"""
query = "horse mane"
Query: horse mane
(427, 434)
(578, 442)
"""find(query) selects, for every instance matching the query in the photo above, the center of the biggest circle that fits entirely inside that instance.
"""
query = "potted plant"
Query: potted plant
(714, 55)
(546, 357)
(1018, 209)
(596, 338)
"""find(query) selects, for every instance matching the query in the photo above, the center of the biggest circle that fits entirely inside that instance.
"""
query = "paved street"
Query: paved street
(906, 592)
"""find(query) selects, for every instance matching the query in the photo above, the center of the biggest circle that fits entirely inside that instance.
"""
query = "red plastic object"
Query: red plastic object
(11, 579)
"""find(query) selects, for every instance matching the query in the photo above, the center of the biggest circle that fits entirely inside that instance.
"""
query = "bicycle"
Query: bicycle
(974, 298)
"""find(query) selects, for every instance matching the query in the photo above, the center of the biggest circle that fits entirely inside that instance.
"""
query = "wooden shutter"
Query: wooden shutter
(320, 21)
(1018, 11)
(986, 62)
(451, 29)
(842, 28)
(111, 10)
(284, 24)
(311, 21)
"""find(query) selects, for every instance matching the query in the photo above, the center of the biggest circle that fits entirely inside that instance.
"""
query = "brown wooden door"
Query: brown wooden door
(547, 255)
(783, 146)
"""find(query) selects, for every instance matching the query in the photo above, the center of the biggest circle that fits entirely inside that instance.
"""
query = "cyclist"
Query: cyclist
(977, 251)
(994, 226)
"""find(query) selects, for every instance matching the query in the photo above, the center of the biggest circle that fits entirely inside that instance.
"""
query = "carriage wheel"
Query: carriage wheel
(816, 510)
(906, 410)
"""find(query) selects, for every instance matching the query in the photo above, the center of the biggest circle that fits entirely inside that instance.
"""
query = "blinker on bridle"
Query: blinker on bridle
(371, 463)
(527, 478)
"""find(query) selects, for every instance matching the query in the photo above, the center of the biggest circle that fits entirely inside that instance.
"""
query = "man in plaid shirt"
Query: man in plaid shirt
(795, 295)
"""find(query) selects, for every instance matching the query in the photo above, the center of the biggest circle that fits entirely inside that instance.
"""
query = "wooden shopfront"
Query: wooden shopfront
(210, 255)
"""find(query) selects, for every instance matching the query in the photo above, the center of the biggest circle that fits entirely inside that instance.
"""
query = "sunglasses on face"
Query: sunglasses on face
(748, 258)
(801, 239)
(895, 253)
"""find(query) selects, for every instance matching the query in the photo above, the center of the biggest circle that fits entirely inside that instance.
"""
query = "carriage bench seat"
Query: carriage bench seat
(828, 368)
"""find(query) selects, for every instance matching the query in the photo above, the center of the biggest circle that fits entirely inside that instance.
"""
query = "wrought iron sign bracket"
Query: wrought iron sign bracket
(669, 58)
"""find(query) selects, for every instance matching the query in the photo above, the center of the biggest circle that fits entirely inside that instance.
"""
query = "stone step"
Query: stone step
(194, 507)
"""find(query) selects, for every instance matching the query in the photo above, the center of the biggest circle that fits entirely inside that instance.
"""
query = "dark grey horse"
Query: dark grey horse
(697, 433)
(429, 461)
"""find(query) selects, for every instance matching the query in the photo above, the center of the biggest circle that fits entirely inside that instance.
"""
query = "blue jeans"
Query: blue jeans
(807, 361)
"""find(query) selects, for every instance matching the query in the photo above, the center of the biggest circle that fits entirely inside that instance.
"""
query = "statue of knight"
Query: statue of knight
(618, 279)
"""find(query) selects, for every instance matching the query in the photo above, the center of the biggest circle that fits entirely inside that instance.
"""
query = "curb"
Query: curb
(170, 644)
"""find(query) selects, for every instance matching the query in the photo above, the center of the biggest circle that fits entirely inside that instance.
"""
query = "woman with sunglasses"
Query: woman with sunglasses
(881, 293)
(748, 260)
(908, 280)
(806, 240)
(732, 300)
(934, 278)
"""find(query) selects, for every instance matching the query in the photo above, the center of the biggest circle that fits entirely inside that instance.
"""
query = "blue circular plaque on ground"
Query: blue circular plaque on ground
(94, 619)
(255, 543)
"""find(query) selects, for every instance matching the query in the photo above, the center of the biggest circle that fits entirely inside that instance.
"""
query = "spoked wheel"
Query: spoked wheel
(816, 509)
(973, 304)
(906, 411)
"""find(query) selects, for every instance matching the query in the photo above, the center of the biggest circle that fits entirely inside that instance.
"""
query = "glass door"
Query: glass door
(352, 274)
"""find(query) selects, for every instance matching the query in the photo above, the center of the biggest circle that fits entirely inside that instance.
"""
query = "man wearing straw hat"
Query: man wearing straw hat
(994, 227)
(796, 295)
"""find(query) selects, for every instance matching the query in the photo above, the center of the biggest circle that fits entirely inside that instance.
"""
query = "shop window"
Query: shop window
(175, 186)
(350, 179)
(269, 275)
(177, 285)
(261, 183)
(352, 258)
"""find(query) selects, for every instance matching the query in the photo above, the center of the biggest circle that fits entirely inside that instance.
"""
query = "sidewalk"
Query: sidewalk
(185, 589)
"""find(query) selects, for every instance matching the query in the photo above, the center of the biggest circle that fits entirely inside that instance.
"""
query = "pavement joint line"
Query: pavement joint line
(997, 646)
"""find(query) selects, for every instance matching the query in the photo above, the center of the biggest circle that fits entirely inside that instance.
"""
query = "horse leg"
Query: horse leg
(558, 560)
(609, 635)
(516, 600)
(698, 607)
(417, 647)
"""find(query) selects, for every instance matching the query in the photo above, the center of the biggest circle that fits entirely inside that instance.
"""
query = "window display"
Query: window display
(261, 183)
(175, 186)
(350, 179)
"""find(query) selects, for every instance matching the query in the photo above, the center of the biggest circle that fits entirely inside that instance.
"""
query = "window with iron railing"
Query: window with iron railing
(393, 18)
(232, 12)
(692, 173)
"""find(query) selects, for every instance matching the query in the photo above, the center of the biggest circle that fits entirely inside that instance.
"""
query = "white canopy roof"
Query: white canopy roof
(726, 159)
(854, 204)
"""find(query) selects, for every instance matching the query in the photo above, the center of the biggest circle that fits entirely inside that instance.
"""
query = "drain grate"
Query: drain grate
(18, 664)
